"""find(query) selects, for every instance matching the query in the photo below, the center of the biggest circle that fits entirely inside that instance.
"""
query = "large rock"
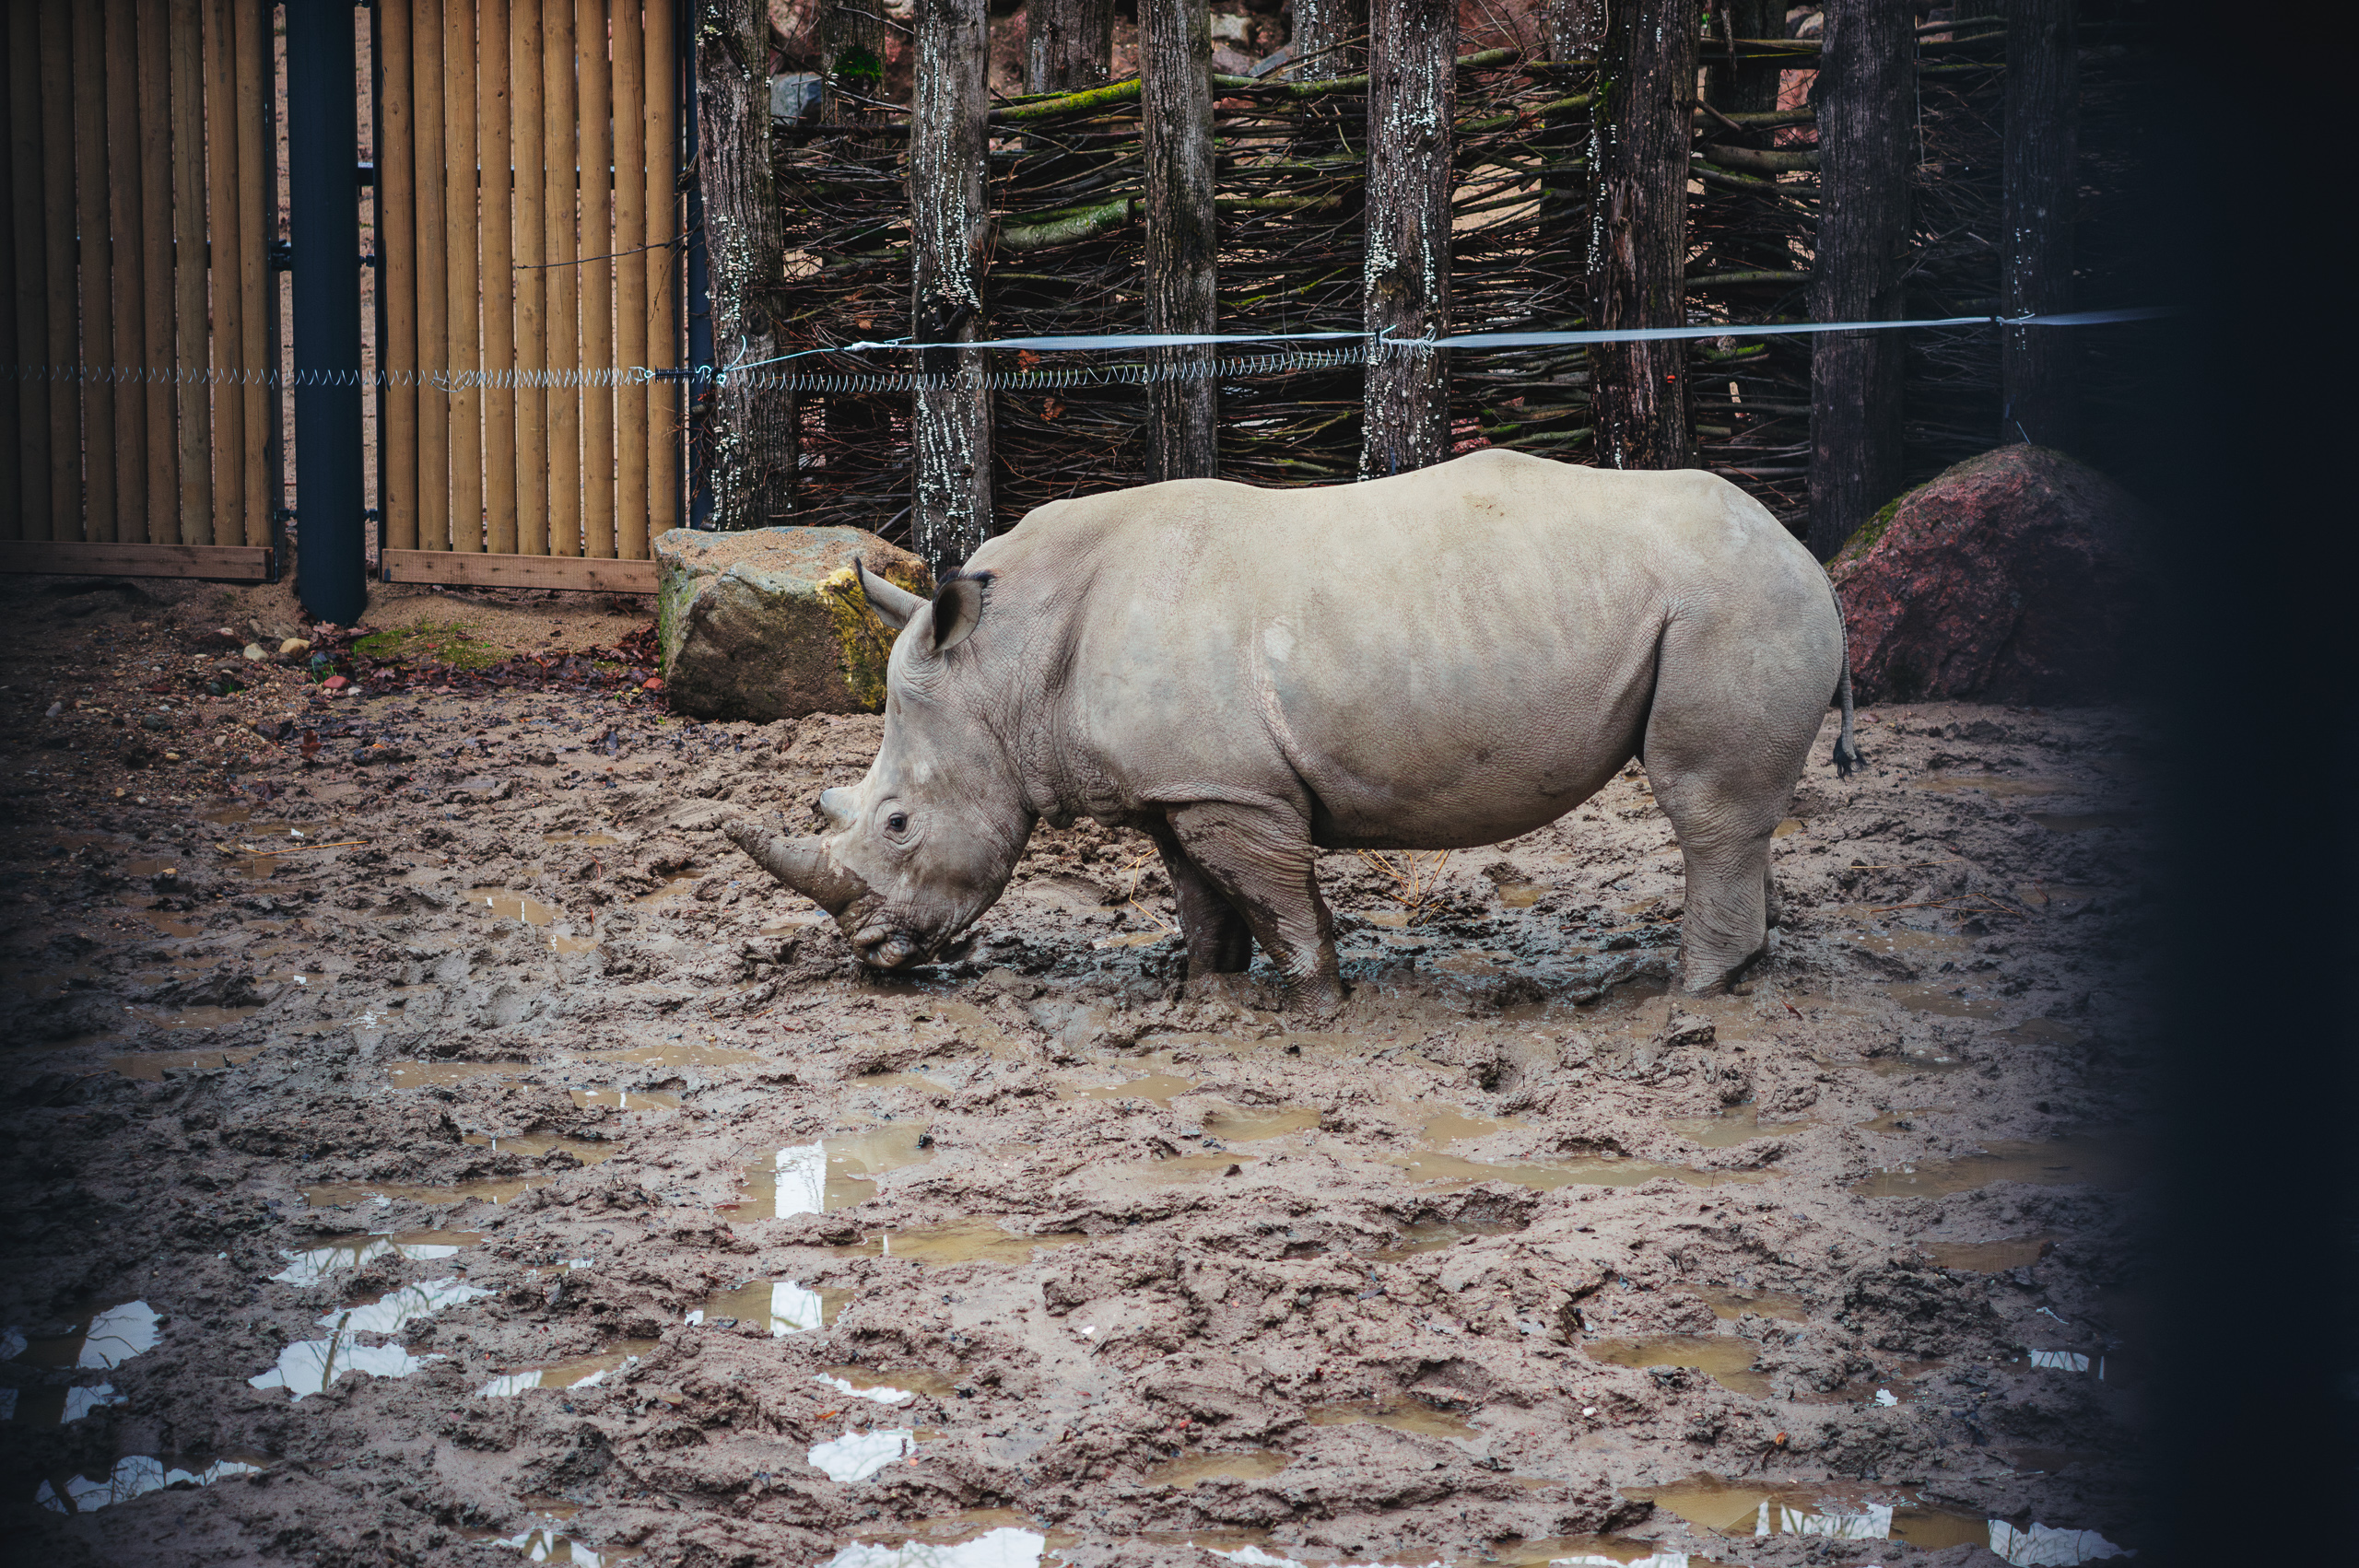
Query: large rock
(2014, 577)
(770, 623)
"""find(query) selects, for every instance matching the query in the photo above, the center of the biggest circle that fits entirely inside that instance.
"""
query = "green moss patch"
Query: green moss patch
(443, 645)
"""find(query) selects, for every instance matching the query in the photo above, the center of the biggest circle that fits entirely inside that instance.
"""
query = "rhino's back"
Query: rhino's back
(1457, 654)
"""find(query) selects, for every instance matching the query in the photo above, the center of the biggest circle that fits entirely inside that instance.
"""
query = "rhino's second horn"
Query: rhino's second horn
(803, 864)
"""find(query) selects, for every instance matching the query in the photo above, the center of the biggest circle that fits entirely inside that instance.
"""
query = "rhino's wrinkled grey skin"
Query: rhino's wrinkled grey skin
(1444, 659)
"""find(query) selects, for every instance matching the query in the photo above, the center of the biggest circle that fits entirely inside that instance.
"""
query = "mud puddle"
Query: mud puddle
(834, 1173)
(959, 1240)
(1432, 1235)
(896, 1386)
(1193, 1469)
(503, 904)
(628, 1099)
(1596, 1170)
(969, 1540)
(137, 1475)
(776, 1308)
(1989, 1256)
(1724, 1358)
(1731, 1127)
(1945, 1002)
(1730, 1303)
(856, 1456)
(99, 1339)
(575, 1372)
(1410, 1415)
(1831, 1510)
(2111, 1161)
(311, 1265)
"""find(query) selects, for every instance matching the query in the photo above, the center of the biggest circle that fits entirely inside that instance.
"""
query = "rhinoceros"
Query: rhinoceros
(1443, 659)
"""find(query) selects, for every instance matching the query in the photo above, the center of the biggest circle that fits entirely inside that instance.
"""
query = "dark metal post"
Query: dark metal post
(323, 151)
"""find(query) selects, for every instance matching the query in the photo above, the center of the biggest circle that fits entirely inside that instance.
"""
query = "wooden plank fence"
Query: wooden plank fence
(559, 255)
(136, 419)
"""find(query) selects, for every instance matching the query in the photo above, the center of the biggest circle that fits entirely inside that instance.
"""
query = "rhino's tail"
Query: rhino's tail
(1847, 748)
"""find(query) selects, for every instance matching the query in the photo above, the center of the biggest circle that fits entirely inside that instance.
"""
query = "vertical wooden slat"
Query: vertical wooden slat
(126, 236)
(258, 286)
(225, 243)
(631, 279)
(597, 278)
(532, 348)
(1412, 100)
(24, 497)
(11, 375)
(160, 480)
(496, 150)
(667, 411)
(463, 281)
(95, 254)
(2039, 204)
(397, 275)
(185, 50)
(561, 324)
(951, 454)
(64, 521)
(433, 299)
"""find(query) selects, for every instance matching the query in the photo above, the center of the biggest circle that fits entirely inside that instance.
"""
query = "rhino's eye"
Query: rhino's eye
(897, 823)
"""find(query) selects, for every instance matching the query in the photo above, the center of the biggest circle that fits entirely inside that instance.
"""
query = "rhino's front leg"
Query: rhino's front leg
(1260, 860)
(1218, 941)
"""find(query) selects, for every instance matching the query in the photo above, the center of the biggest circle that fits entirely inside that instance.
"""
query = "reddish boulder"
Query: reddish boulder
(2014, 577)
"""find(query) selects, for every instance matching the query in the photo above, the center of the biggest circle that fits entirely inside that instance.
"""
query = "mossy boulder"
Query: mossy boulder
(2017, 576)
(772, 624)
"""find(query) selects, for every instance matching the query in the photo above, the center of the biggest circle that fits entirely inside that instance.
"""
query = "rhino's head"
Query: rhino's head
(916, 850)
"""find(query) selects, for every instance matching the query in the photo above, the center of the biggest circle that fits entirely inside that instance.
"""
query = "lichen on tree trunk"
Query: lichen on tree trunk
(949, 224)
(1182, 241)
(2036, 364)
(1412, 94)
(751, 430)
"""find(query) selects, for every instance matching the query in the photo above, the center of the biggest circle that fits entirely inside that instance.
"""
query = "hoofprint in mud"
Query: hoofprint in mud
(1482, 1266)
(1436, 660)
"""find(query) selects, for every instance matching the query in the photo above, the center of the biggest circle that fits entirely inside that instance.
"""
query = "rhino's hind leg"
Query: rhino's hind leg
(1261, 860)
(1218, 941)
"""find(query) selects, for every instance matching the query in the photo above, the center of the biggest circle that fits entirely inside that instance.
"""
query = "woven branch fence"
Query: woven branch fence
(1067, 258)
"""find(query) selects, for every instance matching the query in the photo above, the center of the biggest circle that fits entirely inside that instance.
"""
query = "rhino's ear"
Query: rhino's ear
(959, 609)
(894, 605)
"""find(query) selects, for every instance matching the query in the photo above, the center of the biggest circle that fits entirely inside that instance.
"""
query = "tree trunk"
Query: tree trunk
(1176, 73)
(2036, 364)
(1748, 84)
(1331, 36)
(1068, 44)
(753, 445)
(851, 58)
(1866, 86)
(1413, 90)
(950, 224)
(1576, 28)
(1639, 144)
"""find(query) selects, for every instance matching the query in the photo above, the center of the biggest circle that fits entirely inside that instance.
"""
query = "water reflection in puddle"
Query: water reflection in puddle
(781, 1306)
(547, 1543)
(1831, 1510)
(579, 1372)
(894, 1388)
(1193, 1469)
(856, 1456)
(834, 1173)
(1725, 1359)
(1741, 1125)
(135, 1475)
(315, 1264)
(503, 904)
(309, 1366)
(2099, 1160)
(423, 1075)
(1004, 1547)
(1592, 1551)
(628, 1099)
(99, 1341)
(1408, 1416)
(960, 1241)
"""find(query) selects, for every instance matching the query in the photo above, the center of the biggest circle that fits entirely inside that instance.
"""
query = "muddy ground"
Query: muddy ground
(391, 1070)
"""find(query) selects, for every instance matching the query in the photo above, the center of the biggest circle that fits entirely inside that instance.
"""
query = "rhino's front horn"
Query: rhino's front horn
(803, 864)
